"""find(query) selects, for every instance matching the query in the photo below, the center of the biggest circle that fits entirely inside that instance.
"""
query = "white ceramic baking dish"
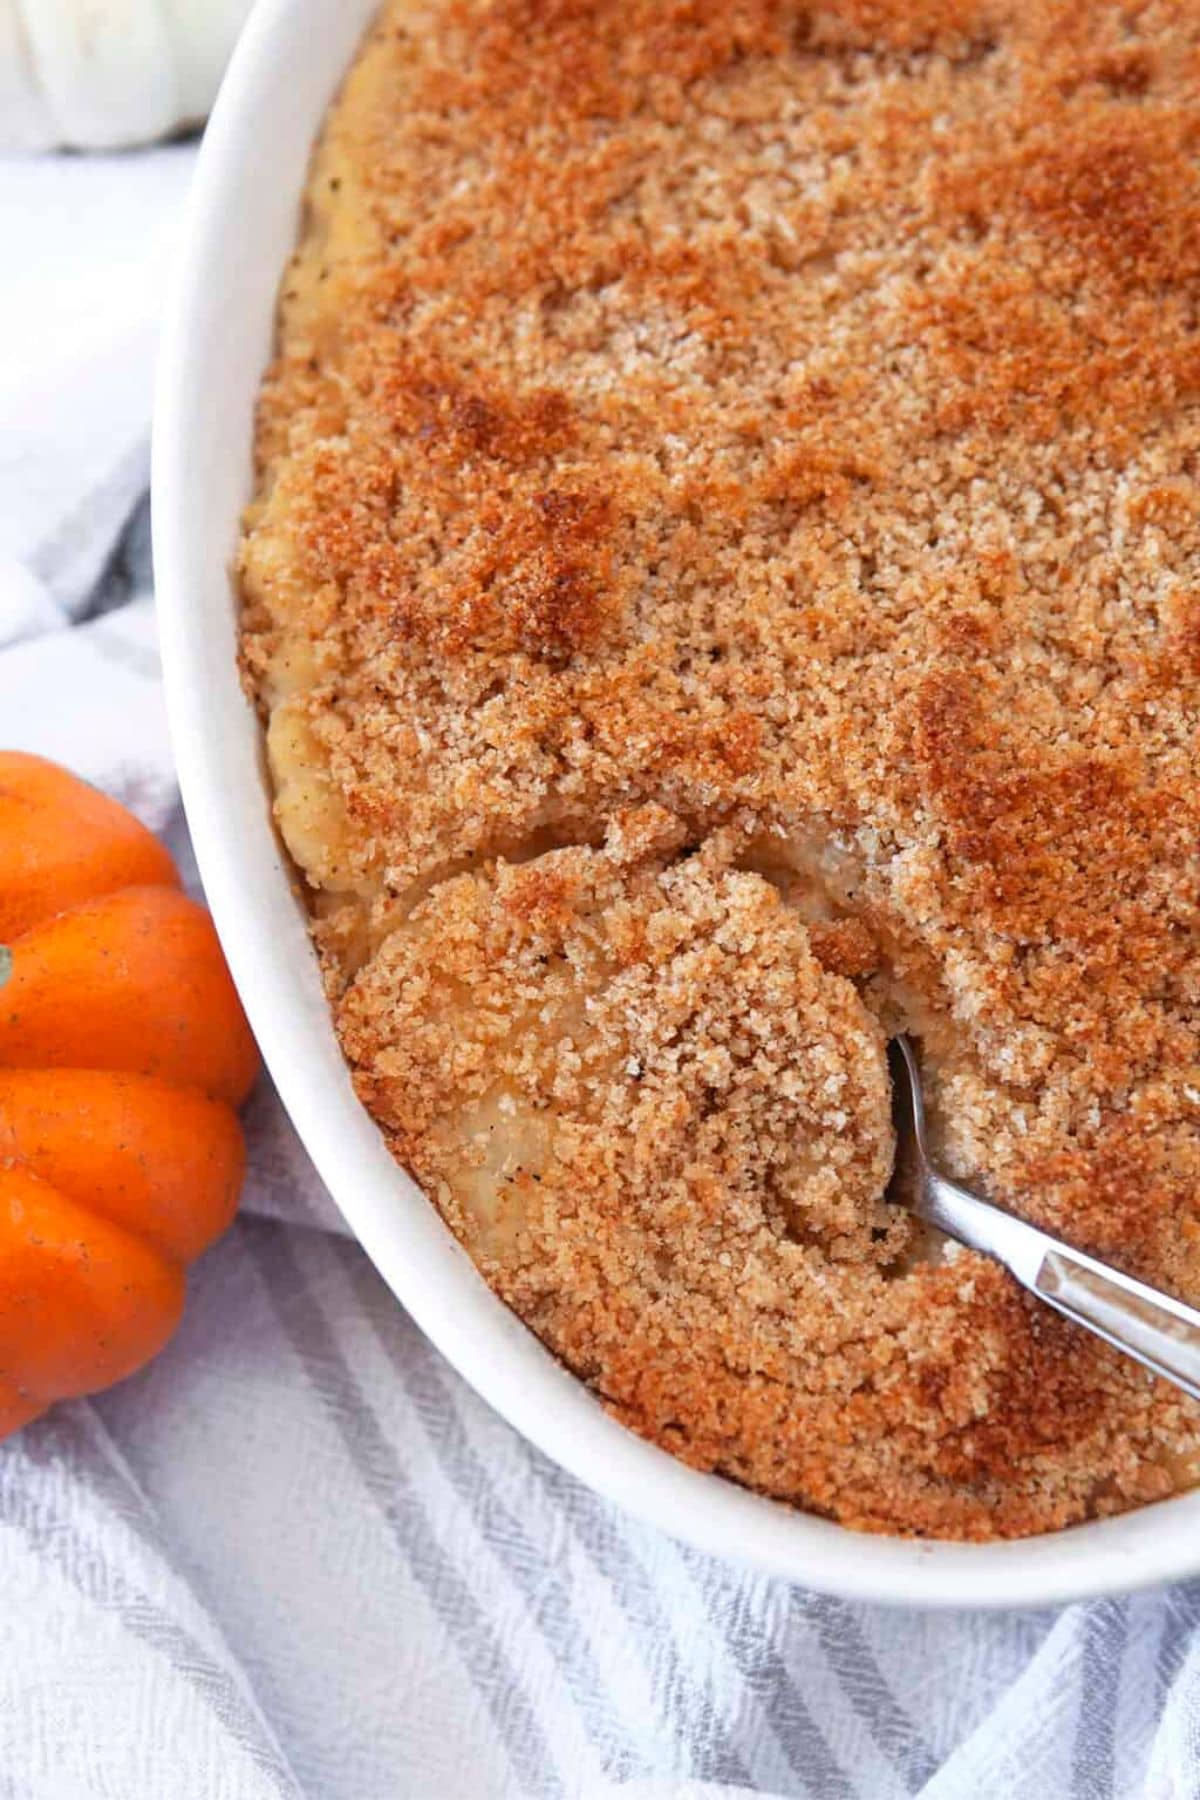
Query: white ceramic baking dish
(244, 219)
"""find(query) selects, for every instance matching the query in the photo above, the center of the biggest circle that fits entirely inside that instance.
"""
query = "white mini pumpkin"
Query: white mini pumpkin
(101, 74)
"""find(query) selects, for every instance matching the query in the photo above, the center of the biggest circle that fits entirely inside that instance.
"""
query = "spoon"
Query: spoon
(1160, 1332)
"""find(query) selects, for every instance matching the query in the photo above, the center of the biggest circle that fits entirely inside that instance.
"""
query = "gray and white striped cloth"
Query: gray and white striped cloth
(297, 1556)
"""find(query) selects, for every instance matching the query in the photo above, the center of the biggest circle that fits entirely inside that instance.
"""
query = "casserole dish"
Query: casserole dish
(218, 339)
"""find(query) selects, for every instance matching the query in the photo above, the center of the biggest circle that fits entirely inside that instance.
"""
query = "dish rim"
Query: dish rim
(242, 221)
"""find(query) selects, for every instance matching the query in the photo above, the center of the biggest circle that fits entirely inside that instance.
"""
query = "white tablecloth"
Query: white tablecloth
(297, 1555)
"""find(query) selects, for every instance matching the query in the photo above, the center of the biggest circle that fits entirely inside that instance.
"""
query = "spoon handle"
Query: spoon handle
(1162, 1333)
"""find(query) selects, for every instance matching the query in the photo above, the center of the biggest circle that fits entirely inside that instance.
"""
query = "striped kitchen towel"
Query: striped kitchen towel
(297, 1556)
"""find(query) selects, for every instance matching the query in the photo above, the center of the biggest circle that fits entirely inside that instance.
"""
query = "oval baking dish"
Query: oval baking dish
(216, 344)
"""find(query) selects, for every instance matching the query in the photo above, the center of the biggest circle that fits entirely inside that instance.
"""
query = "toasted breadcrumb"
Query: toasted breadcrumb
(724, 583)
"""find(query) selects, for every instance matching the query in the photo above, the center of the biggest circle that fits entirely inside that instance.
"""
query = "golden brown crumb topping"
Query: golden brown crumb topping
(725, 581)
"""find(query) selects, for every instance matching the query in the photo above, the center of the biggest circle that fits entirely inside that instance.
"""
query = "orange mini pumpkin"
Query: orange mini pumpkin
(123, 1054)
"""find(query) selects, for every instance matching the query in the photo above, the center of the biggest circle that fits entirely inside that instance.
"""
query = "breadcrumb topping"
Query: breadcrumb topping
(724, 583)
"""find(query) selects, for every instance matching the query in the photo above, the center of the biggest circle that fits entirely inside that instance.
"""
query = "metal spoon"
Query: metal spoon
(1160, 1332)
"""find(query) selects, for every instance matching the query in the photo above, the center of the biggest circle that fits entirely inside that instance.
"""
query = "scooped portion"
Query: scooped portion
(651, 1115)
(662, 1129)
